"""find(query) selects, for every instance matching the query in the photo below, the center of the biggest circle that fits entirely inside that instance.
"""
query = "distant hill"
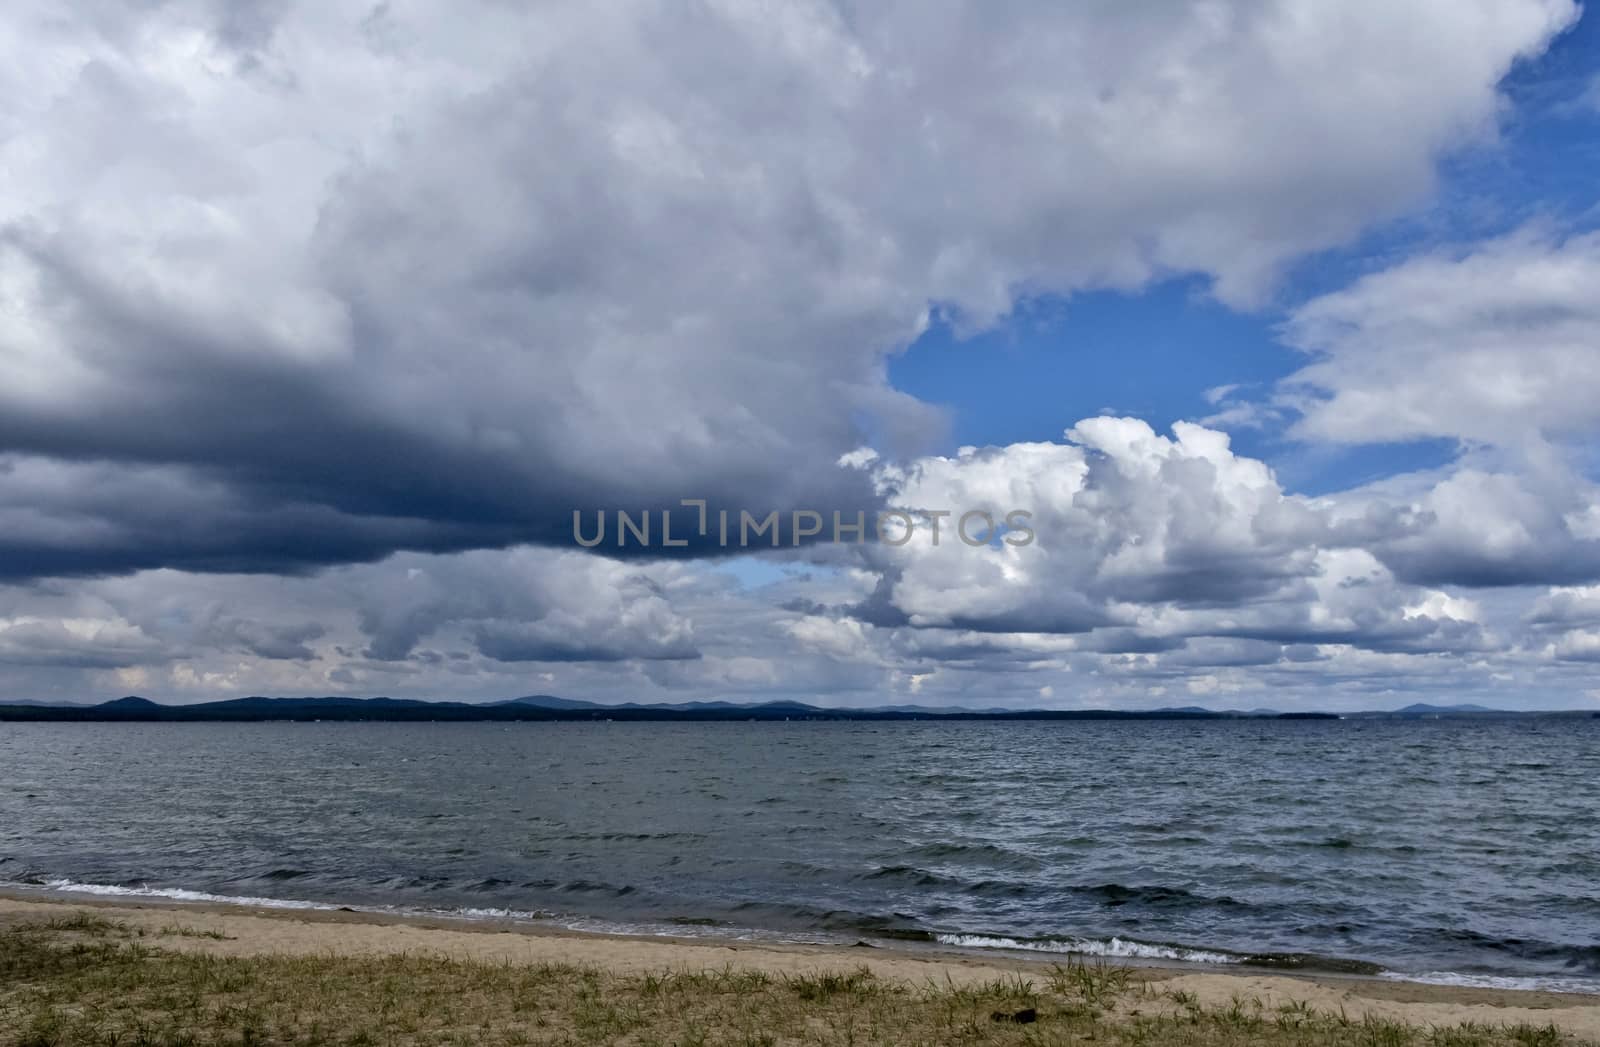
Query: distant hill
(549, 701)
(37, 702)
(542, 708)
(549, 707)
(1423, 709)
(132, 703)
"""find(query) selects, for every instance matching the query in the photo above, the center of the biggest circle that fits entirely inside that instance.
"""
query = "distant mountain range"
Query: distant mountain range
(1423, 709)
(546, 707)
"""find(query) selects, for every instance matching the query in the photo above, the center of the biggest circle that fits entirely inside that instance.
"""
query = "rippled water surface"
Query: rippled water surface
(1460, 850)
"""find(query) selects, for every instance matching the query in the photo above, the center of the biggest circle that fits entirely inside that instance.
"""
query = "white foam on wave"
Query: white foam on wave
(719, 932)
(1113, 948)
(1533, 983)
(184, 894)
(483, 914)
(176, 894)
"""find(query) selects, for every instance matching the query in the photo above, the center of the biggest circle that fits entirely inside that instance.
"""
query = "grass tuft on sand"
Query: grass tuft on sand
(94, 981)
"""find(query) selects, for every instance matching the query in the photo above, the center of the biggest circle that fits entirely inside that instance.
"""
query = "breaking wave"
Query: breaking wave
(1114, 948)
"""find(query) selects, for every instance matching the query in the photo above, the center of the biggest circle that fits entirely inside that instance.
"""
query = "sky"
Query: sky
(322, 323)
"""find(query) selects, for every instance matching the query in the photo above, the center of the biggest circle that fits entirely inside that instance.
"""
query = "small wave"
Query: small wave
(1574, 957)
(596, 887)
(492, 883)
(1112, 948)
(1535, 983)
(618, 837)
(497, 914)
(184, 894)
(673, 928)
(908, 874)
(833, 921)
(983, 854)
(1116, 894)
(414, 883)
(176, 894)
(807, 870)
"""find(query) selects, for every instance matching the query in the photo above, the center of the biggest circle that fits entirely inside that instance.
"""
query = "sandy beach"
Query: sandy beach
(226, 931)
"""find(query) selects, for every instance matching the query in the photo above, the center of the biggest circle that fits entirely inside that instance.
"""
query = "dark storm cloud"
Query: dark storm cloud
(1569, 562)
(282, 642)
(1079, 615)
(242, 462)
(524, 643)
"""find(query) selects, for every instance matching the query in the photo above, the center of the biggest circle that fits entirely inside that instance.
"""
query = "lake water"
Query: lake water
(1443, 850)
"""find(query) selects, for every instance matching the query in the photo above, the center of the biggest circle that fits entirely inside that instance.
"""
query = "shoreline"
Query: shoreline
(977, 946)
(1129, 952)
(226, 930)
